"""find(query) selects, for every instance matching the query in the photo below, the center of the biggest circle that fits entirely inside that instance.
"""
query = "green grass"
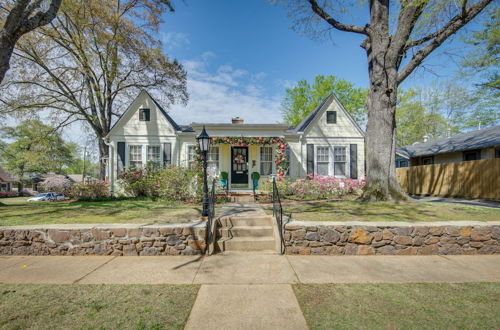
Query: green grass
(17, 211)
(95, 306)
(385, 211)
(400, 306)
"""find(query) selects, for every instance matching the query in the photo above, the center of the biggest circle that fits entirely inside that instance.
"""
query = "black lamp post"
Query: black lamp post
(204, 144)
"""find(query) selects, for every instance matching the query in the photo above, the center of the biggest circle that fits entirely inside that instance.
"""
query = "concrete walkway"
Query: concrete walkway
(248, 290)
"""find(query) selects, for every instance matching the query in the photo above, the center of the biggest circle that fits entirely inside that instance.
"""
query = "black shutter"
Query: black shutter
(121, 156)
(167, 153)
(310, 159)
(354, 161)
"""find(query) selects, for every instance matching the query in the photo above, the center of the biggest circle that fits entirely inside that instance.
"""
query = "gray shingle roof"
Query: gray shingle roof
(483, 138)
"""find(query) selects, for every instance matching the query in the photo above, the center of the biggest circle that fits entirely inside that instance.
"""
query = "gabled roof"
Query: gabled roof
(483, 138)
(304, 124)
(4, 176)
(162, 111)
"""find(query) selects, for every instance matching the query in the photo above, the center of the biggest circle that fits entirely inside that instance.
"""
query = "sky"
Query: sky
(241, 55)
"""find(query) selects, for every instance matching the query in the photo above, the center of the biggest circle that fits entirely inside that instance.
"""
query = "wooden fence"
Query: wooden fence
(472, 179)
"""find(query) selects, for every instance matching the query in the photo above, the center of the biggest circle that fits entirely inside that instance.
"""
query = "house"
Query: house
(79, 178)
(327, 142)
(476, 145)
(6, 181)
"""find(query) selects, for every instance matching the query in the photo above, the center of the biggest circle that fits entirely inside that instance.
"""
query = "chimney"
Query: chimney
(426, 138)
(237, 120)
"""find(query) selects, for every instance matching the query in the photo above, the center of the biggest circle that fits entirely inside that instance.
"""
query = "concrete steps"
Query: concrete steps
(246, 244)
(240, 232)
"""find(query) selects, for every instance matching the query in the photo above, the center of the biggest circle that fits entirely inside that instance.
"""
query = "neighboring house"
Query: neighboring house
(327, 142)
(78, 178)
(6, 181)
(481, 144)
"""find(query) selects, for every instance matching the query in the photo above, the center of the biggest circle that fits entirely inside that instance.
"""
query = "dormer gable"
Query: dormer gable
(145, 117)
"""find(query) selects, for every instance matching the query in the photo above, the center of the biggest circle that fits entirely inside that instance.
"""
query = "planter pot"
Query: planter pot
(255, 183)
(223, 182)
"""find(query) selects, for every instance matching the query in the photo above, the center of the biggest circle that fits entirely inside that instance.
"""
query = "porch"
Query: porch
(236, 161)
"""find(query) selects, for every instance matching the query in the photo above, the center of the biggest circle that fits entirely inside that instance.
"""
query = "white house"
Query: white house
(327, 142)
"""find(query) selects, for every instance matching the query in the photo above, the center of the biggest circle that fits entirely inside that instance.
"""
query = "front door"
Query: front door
(239, 165)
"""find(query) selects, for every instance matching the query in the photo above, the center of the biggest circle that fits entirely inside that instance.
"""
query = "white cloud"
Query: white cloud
(172, 40)
(217, 95)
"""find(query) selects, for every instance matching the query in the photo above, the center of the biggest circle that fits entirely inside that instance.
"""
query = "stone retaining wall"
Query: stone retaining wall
(117, 240)
(357, 238)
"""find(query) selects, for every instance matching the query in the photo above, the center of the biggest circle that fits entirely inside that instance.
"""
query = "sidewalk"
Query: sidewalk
(249, 268)
(248, 290)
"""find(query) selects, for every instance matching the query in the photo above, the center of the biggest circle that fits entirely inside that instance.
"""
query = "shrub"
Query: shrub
(317, 187)
(89, 191)
(173, 183)
(4, 194)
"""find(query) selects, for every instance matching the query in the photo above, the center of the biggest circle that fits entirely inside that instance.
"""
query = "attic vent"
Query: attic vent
(237, 120)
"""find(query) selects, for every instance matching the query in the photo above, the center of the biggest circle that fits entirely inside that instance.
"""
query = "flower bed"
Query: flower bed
(316, 187)
(8, 194)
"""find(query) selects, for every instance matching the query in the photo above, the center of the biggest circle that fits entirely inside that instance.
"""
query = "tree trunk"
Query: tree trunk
(103, 154)
(381, 182)
(6, 49)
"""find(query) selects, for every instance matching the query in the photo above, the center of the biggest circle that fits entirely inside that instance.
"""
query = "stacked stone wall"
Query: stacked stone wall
(126, 240)
(320, 238)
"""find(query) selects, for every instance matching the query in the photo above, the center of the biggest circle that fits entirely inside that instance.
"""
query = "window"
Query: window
(266, 160)
(135, 156)
(191, 156)
(322, 160)
(331, 117)
(213, 161)
(4, 187)
(339, 161)
(144, 114)
(401, 163)
(428, 160)
(497, 153)
(471, 155)
(154, 155)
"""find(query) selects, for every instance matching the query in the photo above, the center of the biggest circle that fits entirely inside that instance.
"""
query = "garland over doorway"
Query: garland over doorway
(280, 158)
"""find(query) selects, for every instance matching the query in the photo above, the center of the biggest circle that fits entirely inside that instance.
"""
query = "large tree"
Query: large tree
(302, 99)
(90, 61)
(397, 37)
(20, 17)
(34, 147)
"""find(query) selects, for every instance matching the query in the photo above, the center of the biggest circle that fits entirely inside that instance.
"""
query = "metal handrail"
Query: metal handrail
(278, 215)
(211, 225)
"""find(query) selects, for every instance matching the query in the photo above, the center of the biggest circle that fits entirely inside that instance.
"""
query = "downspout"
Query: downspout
(110, 166)
(301, 162)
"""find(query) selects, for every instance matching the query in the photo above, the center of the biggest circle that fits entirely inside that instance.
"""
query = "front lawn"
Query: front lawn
(95, 306)
(17, 211)
(400, 306)
(385, 211)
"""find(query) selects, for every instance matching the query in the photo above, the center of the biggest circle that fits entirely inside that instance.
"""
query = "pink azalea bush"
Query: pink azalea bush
(94, 190)
(172, 183)
(317, 187)
(8, 194)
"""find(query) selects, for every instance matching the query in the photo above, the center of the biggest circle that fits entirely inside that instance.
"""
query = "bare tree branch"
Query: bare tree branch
(333, 22)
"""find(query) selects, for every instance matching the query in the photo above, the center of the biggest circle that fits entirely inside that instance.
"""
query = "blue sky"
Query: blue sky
(241, 55)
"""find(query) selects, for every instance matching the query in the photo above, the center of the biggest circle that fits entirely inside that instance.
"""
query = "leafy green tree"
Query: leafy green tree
(302, 99)
(82, 162)
(35, 148)
(484, 59)
(414, 120)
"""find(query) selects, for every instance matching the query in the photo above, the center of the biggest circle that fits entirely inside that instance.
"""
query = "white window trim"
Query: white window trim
(186, 153)
(144, 152)
(219, 160)
(331, 166)
(160, 161)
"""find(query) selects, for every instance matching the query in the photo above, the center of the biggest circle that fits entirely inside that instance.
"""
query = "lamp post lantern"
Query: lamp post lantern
(204, 141)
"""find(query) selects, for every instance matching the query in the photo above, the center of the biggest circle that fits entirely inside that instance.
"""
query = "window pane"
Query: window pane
(339, 168)
(153, 154)
(331, 117)
(213, 161)
(322, 154)
(339, 154)
(191, 156)
(322, 168)
(135, 156)
(266, 160)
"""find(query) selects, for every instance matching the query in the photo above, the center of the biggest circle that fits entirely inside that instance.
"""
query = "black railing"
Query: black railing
(211, 225)
(278, 215)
